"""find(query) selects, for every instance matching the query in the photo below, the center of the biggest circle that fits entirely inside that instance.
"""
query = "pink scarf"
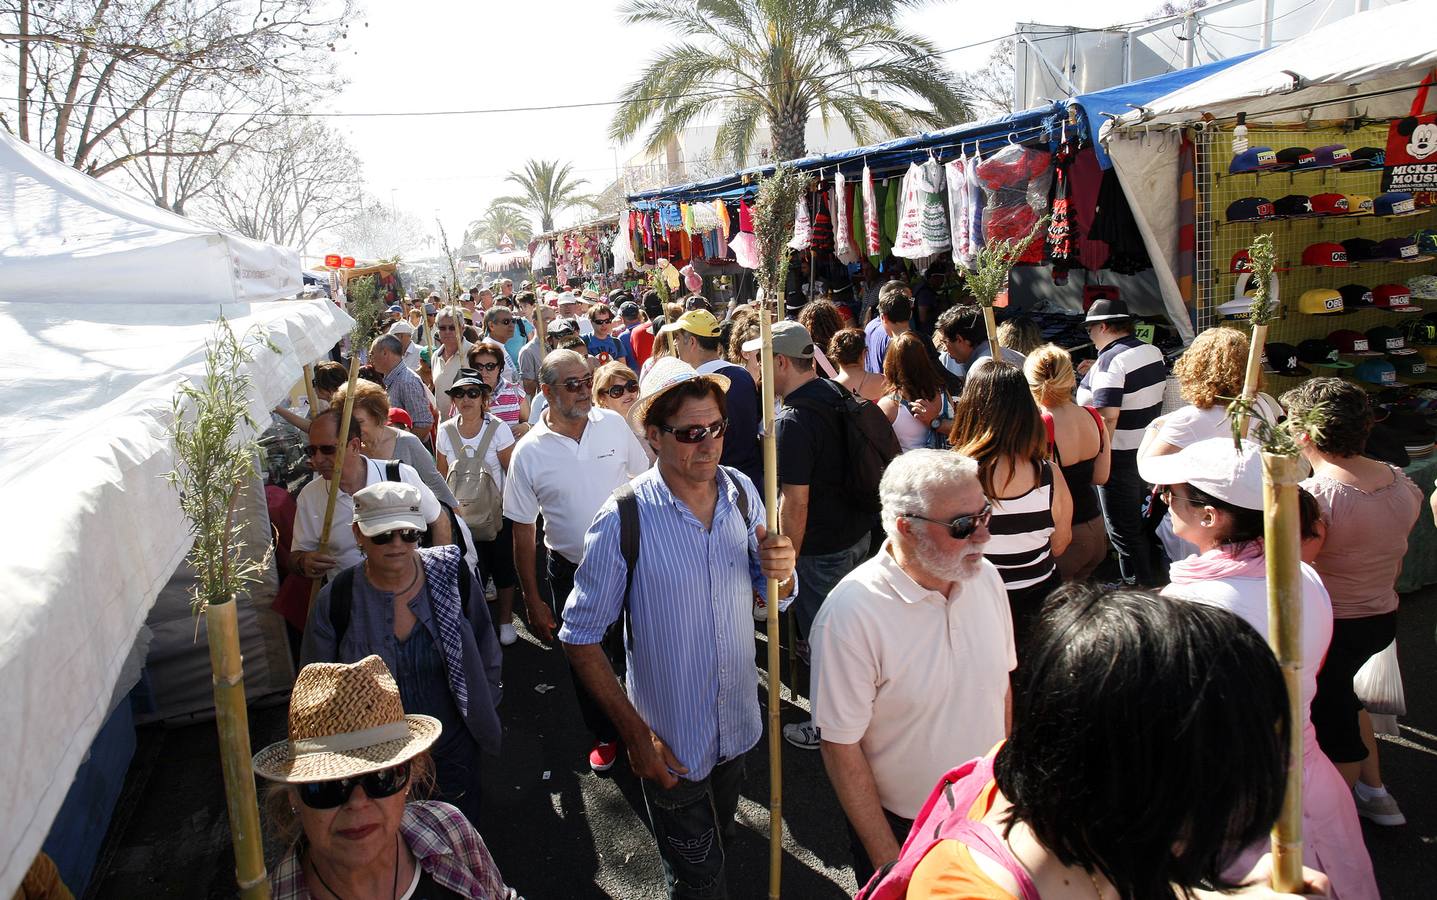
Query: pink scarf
(1248, 562)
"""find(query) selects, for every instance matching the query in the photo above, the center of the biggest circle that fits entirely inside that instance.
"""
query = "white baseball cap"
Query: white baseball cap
(1213, 466)
(401, 328)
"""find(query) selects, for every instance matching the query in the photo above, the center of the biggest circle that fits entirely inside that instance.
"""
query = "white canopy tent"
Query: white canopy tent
(1364, 65)
(106, 304)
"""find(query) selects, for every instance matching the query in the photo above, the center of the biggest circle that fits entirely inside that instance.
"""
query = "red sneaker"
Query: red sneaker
(601, 758)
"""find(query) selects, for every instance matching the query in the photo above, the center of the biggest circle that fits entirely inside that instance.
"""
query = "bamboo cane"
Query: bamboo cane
(231, 718)
(341, 440)
(770, 500)
(1254, 375)
(991, 325)
(309, 391)
(1282, 545)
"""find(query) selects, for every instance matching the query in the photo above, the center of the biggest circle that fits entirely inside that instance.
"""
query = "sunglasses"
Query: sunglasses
(601, 321)
(695, 433)
(487, 367)
(473, 393)
(578, 385)
(962, 527)
(408, 535)
(616, 391)
(377, 786)
(503, 321)
(446, 327)
(1167, 496)
(316, 449)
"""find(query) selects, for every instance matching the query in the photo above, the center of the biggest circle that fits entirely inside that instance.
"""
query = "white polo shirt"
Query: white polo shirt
(314, 497)
(916, 679)
(567, 480)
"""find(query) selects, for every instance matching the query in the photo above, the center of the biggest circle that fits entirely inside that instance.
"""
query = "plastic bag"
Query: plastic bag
(1379, 684)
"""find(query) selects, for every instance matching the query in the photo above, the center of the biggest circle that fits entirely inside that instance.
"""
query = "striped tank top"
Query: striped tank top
(1022, 530)
(505, 404)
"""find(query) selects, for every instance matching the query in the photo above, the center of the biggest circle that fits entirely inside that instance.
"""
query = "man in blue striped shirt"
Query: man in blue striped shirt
(691, 712)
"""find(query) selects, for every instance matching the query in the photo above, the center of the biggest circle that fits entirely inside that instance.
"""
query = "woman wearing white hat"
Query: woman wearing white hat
(1215, 494)
(340, 793)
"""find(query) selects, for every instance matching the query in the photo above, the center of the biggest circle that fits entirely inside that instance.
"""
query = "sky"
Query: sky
(425, 55)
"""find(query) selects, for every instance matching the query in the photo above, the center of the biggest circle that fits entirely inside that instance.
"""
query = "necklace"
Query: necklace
(393, 889)
(401, 592)
(1096, 887)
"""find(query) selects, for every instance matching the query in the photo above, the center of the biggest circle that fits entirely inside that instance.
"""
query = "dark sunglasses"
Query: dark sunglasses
(408, 535)
(446, 327)
(316, 449)
(503, 321)
(578, 385)
(601, 321)
(962, 527)
(473, 393)
(377, 786)
(487, 367)
(616, 391)
(695, 433)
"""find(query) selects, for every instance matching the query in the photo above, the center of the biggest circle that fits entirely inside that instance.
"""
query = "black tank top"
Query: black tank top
(1079, 476)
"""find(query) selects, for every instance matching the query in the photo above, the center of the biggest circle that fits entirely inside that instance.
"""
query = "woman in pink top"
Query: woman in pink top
(1368, 508)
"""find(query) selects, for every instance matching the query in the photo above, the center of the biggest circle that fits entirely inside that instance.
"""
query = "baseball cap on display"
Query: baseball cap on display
(1317, 352)
(1240, 306)
(1376, 371)
(1360, 250)
(1394, 203)
(1253, 159)
(1250, 209)
(1394, 298)
(1353, 342)
(1402, 250)
(1242, 264)
(1282, 359)
(1327, 254)
(1382, 338)
(1366, 158)
(1420, 332)
(1293, 206)
(1295, 158)
(1359, 205)
(1423, 287)
(1409, 364)
(1320, 302)
(1332, 155)
(1426, 240)
(1329, 204)
(1355, 296)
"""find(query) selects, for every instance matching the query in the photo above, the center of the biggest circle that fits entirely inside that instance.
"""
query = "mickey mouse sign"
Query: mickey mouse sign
(1411, 163)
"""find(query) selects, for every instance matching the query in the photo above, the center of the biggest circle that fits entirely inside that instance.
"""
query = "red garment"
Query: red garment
(1084, 178)
(642, 340)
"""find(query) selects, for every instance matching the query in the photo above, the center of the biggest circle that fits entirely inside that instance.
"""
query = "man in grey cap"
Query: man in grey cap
(405, 332)
(830, 533)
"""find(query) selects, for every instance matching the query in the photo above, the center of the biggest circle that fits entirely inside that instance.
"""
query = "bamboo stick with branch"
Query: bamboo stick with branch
(989, 277)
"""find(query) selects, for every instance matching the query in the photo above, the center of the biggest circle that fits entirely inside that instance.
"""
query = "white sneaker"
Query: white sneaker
(507, 635)
(760, 609)
(803, 735)
(1381, 810)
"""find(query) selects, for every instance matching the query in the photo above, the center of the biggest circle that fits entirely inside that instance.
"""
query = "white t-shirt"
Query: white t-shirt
(567, 480)
(314, 497)
(915, 678)
(1188, 425)
(503, 438)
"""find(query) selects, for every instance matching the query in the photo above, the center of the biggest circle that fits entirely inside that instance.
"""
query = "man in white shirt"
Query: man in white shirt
(359, 472)
(564, 469)
(405, 332)
(912, 653)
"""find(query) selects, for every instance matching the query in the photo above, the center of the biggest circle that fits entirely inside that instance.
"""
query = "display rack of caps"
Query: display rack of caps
(1391, 205)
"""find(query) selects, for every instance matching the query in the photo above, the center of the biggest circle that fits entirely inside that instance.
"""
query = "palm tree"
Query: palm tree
(778, 61)
(547, 189)
(498, 220)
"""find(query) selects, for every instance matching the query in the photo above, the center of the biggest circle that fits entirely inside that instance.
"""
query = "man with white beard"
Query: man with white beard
(911, 654)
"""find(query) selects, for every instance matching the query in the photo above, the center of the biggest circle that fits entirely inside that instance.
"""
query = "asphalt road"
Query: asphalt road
(558, 830)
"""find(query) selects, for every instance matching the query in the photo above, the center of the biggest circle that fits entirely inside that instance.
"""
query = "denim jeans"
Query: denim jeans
(561, 581)
(693, 823)
(1122, 499)
(817, 575)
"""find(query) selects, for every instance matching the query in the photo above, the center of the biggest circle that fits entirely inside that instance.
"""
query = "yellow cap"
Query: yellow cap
(1320, 302)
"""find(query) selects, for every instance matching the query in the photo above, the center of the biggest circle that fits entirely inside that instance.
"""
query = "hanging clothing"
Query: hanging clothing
(1060, 243)
(959, 200)
(821, 238)
(1115, 224)
(873, 241)
(1085, 176)
(1016, 181)
(840, 197)
(744, 244)
(1187, 221)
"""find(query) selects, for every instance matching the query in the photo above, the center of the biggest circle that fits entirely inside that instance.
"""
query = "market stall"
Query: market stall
(577, 253)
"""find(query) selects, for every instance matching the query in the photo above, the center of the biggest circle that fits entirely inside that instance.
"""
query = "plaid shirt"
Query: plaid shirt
(407, 392)
(441, 839)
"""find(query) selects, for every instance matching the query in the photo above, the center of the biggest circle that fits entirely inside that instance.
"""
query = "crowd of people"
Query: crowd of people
(996, 559)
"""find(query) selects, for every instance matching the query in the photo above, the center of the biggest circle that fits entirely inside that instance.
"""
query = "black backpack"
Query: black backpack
(341, 599)
(869, 442)
(391, 473)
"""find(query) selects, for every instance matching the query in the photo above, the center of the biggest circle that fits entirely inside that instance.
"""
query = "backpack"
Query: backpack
(341, 599)
(945, 818)
(869, 443)
(481, 503)
(391, 473)
(629, 532)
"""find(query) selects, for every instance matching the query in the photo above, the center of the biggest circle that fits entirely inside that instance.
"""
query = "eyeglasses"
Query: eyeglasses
(962, 527)
(315, 449)
(1167, 496)
(616, 391)
(407, 535)
(487, 367)
(578, 385)
(601, 321)
(377, 786)
(447, 327)
(473, 393)
(504, 321)
(695, 433)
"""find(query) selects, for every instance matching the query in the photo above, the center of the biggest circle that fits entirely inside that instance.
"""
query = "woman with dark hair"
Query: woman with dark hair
(1130, 771)
(1368, 507)
(913, 397)
(1215, 495)
(845, 351)
(507, 401)
(822, 319)
(997, 423)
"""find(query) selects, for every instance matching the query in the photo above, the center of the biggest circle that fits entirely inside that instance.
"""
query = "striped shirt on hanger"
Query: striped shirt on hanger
(1129, 376)
(1022, 530)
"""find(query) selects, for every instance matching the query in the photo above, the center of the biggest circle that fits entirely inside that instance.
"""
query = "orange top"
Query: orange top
(949, 872)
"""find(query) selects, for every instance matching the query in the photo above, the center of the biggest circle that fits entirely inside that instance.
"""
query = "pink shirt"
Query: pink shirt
(1366, 540)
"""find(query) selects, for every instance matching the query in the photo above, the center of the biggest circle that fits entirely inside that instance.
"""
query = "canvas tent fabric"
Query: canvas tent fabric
(106, 304)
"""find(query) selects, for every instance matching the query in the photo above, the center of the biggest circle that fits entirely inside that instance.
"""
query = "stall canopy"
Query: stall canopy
(106, 303)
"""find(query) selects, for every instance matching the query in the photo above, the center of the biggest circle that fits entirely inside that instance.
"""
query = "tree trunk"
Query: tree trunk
(787, 131)
(23, 72)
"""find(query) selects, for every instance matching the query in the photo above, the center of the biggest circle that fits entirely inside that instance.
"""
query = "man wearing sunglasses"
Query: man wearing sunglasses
(498, 329)
(452, 355)
(693, 711)
(406, 391)
(912, 653)
(602, 344)
(695, 340)
(564, 469)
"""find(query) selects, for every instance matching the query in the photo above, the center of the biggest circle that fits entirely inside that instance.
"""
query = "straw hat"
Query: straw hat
(344, 721)
(669, 372)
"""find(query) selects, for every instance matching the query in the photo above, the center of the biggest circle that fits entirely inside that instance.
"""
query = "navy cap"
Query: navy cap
(1355, 295)
(1362, 250)
(1318, 352)
(1366, 158)
(1402, 249)
(1383, 338)
(1295, 158)
(1250, 209)
(1376, 371)
(1332, 155)
(1394, 203)
(1282, 359)
(1252, 159)
(1409, 363)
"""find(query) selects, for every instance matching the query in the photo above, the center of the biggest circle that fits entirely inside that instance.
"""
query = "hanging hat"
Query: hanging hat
(345, 720)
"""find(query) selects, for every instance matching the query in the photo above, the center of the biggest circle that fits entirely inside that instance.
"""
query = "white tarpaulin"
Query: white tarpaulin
(97, 334)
